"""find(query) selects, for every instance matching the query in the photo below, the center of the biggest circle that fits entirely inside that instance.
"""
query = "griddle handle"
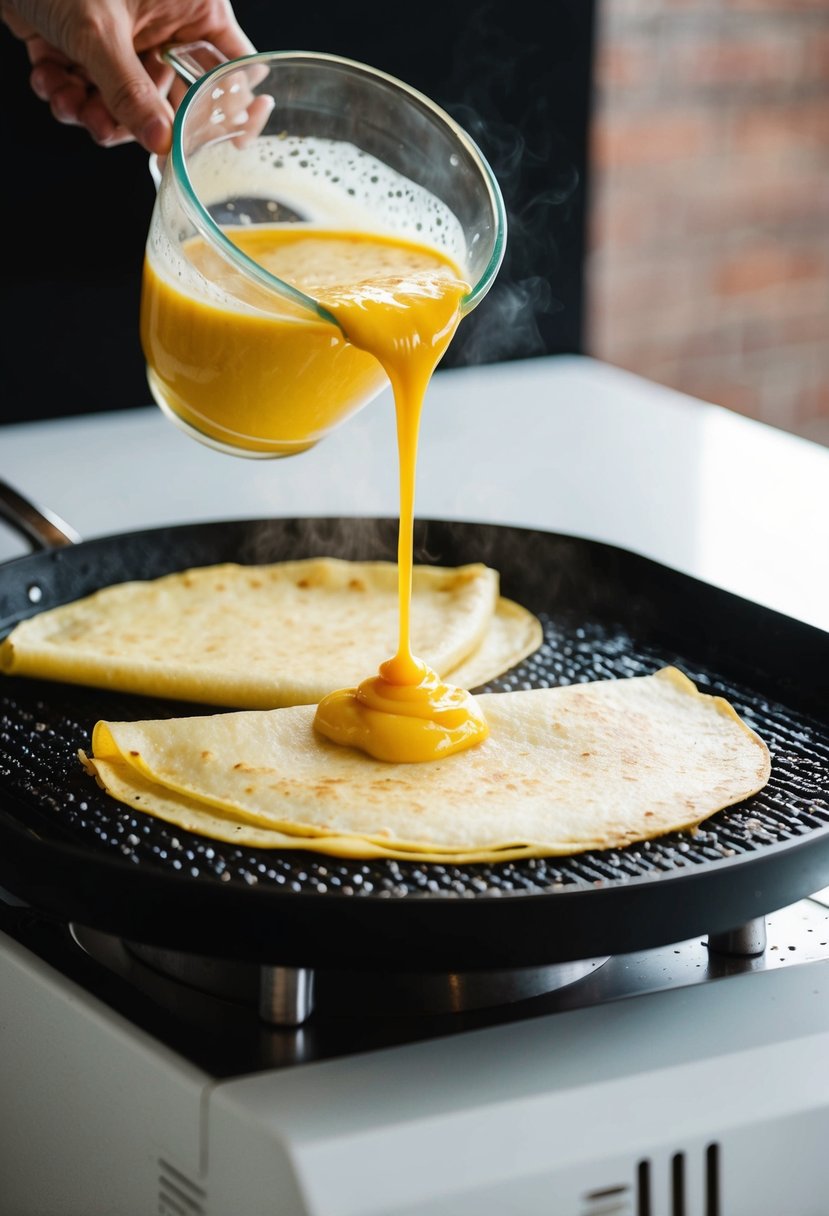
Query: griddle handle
(43, 529)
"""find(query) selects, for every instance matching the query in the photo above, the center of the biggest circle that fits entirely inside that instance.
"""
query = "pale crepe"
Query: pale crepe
(262, 636)
(512, 634)
(584, 766)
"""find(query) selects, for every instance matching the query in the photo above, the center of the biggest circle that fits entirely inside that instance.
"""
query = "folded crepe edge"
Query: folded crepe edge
(293, 834)
(42, 659)
(124, 783)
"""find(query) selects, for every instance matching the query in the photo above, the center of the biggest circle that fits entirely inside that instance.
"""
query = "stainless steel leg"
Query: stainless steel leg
(747, 941)
(286, 995)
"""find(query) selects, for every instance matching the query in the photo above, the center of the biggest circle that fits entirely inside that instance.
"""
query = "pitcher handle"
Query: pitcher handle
(190, 60)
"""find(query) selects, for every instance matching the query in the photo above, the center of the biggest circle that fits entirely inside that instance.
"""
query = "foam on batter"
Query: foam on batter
(330, 183)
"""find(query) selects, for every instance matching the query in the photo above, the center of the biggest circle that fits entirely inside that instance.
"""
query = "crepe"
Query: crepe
(263, 636)
(592, 765)
(511, 635)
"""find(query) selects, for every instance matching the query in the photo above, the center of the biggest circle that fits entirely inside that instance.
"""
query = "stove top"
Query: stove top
(230, 1018)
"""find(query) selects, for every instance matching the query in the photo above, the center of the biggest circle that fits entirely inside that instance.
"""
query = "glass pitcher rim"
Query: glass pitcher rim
(212, 232)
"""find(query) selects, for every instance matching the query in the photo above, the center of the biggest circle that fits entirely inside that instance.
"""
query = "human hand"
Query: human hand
(97, 62)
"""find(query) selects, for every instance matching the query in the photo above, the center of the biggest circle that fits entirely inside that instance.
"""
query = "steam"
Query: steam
(350, 538)
(357, 538)
(540, 181)
(506, 324)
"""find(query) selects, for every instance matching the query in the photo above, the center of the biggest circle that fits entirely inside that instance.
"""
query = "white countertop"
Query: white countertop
(563, 443)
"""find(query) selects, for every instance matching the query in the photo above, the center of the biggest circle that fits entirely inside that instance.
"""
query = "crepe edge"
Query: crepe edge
(368, 846)
(39, 658)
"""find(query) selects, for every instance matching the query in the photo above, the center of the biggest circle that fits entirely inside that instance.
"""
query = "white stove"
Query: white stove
(687, 1080)
(680, 1081)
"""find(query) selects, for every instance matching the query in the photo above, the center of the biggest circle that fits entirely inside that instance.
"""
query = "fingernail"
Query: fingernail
(38, 86)
(61, 109)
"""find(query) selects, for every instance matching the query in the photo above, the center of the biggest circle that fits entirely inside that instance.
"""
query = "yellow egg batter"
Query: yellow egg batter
(245, 374)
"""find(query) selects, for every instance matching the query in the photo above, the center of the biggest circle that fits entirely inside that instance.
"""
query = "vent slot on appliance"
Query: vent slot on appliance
(678, 1185)
(648, 1197)
(678, 1199)
(643, 1189)
(608, 1201)
(712, 1180)
(178, 1195)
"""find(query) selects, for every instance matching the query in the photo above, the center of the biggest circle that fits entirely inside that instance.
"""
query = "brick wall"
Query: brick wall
(708, 261)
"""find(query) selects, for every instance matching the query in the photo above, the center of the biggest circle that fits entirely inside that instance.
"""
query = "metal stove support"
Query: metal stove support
(747, 941)
(286, 995)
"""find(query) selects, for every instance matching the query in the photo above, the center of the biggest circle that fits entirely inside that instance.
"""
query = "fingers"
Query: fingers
(159, 72)
(129, 92)
(74, 101)
(230, 40)
(258, 113)
(111, 79)
(54, 77)
(17, 24)
(135, 92)
(60, 86)
(100, 124)
(231, 108)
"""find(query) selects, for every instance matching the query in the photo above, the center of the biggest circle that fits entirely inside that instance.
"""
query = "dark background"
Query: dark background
(75, 216)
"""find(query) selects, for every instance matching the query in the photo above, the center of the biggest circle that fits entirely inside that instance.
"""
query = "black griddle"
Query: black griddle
(74, 854)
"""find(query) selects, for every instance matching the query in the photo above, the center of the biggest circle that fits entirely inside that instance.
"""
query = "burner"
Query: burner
(286, 996)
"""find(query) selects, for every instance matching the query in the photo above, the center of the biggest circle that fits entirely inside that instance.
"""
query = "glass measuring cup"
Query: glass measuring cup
(236, 355)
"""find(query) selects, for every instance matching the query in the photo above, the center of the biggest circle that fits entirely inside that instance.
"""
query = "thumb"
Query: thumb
(130, 94)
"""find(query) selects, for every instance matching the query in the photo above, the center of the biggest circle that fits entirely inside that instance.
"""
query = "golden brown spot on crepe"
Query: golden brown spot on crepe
(207, 755)
(356, 584)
